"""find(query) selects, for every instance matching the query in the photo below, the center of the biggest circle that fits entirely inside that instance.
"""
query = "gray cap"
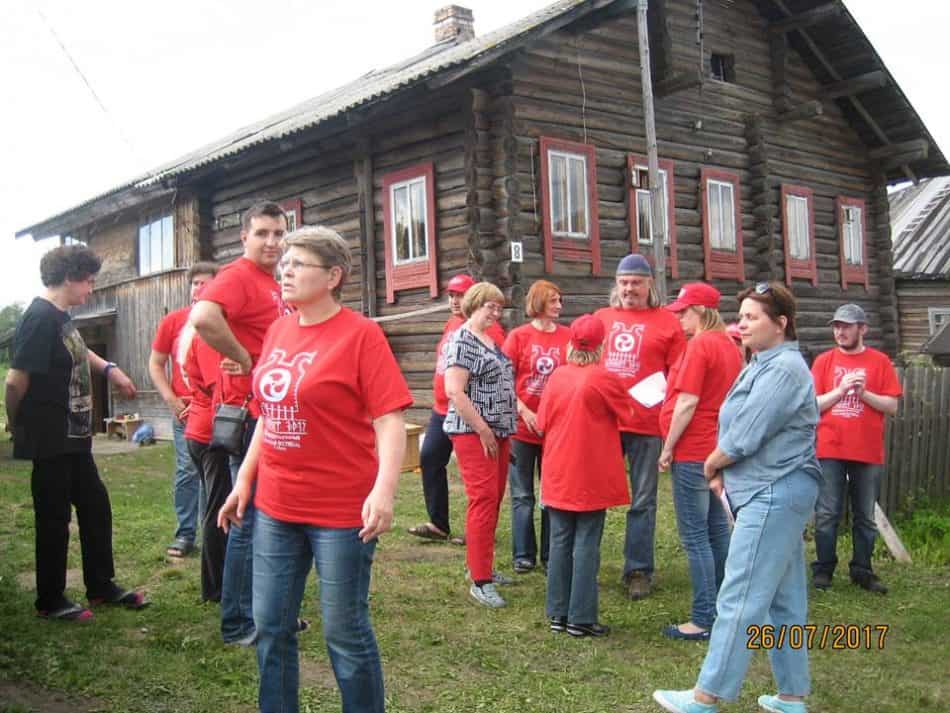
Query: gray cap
(849, 314)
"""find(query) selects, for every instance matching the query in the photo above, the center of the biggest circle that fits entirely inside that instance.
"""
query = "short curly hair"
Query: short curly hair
(68, 262)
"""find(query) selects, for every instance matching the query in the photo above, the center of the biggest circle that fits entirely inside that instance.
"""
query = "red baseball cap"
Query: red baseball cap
(695, 294)
(460, 284)
(587, 333)
(732, 329)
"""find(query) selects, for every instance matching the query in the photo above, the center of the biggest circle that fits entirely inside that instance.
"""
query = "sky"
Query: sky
(176, 74)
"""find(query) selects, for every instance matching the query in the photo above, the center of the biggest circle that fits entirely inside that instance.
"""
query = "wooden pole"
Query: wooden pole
(653, 161)
(890, 537)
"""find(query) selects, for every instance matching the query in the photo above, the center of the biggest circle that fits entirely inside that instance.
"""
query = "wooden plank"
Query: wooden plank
(890, 537)
(855, 85)
(822, 13)
(806, 110)
(678, 82)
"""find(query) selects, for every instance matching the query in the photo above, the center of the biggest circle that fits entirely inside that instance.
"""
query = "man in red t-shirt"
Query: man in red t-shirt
(856, 387)
(642, 340)
(232, 316)
(189, 488)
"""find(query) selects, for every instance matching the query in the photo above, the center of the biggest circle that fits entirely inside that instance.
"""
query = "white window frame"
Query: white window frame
(408, 185)
(937, 316)
(646, 192)
(568, 157)
(291, 217)
(147, 264)
(852, 233)
(795, 239)
(713, 229)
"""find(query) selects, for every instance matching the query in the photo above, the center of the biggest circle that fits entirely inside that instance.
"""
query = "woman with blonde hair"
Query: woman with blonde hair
(479, 381)
(698, 384)
(536, 349)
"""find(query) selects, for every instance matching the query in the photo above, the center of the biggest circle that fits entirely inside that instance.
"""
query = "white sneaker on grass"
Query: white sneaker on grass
(487, 595)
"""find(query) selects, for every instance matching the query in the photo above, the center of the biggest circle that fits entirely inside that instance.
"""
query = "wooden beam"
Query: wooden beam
(808, 110)
(363, 168)
(781, 88)
(914, 145)
(890, 537)
(855, 85)
(679, 82)
(901, 160)
(806, 19)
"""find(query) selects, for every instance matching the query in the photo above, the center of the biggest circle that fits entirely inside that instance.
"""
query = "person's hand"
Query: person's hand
(530, 419)
(122, 382)
(377, 515)
(666, 458)
(232, 512)
(177, 406)
(852, 383)
(489, 443)
(716, 486)
(237, 368)
(709, 472)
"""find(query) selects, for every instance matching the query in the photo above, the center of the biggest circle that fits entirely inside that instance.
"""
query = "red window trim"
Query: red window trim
(852, 274)
(667, 165)
(569, 249)
(796, 268)
(295, 206)
(722, 264)
(421, 274)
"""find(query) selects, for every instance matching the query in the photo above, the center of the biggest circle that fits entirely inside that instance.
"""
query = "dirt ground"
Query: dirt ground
(24, 698)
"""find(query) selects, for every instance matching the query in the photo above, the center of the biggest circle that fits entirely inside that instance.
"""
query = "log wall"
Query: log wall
(915, 297)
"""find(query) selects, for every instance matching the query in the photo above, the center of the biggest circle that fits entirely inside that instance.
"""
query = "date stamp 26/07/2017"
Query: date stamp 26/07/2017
(837, 637)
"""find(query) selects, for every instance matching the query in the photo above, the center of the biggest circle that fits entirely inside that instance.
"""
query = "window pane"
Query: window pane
(143, 250)
(728, 217)
(558, 195)
(401, 224)
(168, 243)
(291, 216)
(853, 245)
(418, 212)
(578, 202)
(714, 201)
(644, 217)
(796, 209)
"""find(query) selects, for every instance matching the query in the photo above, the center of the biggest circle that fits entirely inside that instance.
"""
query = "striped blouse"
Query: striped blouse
(491, 385)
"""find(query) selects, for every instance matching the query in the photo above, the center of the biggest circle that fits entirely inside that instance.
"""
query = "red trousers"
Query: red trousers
(484, 480)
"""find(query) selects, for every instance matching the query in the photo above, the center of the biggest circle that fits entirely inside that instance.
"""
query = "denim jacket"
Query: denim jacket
(767, 423)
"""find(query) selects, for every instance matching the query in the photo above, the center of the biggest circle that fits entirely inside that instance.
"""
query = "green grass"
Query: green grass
(440, 652)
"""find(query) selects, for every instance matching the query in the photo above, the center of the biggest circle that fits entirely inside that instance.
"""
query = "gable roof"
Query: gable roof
(821, 52)
(920, 229)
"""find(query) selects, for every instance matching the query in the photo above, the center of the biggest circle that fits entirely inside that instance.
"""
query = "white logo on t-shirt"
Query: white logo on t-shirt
(623, 357)
(545, 362)
(278, 382)
(851, 406)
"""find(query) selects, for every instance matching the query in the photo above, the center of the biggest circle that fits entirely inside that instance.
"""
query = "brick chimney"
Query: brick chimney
(455, 23)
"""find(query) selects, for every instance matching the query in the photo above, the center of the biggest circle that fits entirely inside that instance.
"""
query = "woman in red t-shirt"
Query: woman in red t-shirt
(332, 398)
(536, 349)
(698, 384)
(583, 474)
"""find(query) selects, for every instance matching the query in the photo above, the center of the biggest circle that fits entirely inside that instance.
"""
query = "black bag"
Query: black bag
(227, 430)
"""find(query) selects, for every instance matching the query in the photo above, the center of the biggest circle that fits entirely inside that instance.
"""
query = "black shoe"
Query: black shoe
(869, 582)
(588, 629)
(674, 632)
(523, 566)
(821, 580)
(558, 624)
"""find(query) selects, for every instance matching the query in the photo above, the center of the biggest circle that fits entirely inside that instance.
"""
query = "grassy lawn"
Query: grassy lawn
(440, 652)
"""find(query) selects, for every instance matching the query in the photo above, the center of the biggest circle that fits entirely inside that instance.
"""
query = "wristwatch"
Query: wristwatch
(109, 365)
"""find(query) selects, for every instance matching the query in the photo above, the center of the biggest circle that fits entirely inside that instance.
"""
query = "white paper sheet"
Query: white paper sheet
(651, 390)
(724, 499)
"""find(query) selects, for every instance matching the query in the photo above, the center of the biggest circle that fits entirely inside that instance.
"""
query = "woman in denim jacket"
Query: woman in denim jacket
(765, 461)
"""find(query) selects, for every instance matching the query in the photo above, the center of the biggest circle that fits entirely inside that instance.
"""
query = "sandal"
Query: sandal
(70, 611)
(460, 541)
(427, 531)
(180, 548)
(129, 599)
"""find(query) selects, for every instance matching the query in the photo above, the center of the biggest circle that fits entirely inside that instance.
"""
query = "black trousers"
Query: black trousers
(433, 458)
(59, 484)
(212, 464)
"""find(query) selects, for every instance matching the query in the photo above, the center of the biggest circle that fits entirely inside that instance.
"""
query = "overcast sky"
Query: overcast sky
(176, 74)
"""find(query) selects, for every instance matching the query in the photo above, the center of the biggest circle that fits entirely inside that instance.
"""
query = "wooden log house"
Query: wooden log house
(779, 130)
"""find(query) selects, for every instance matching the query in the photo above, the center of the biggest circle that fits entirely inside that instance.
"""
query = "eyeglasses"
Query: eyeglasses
(297, 264)
(493, 307)
(763, 288)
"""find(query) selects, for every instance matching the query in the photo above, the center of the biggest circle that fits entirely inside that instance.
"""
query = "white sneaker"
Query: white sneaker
(487, 595)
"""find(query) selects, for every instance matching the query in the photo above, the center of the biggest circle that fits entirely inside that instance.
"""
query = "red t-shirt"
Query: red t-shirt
(166, 342)
(707, 369)
(583, 467)
(640, 342)
(320, 387)
(440, 402)
(535, 355)
(852, 430)
(250, 298)
(202, 367)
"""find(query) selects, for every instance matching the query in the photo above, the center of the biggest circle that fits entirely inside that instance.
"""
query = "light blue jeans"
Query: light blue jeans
(283, 553)
(765, 584)
(642, 453)
(573, 564)
(189, 489)
(524, 543)
(704, 534)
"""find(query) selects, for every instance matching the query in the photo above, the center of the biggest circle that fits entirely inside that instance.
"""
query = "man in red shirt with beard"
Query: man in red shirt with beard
(856, 387)
(232, 316)
(642, 339)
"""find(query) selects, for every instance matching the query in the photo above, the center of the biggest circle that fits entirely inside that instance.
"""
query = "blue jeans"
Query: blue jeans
(642, 453)
(237, 614)
(574, 563)
(704, 533)
(765, 583)
(189, 490)
(283, 553)
(524, 543)
(862, 482)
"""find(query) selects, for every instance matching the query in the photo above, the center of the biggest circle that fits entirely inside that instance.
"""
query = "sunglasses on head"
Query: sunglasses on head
(763, 288)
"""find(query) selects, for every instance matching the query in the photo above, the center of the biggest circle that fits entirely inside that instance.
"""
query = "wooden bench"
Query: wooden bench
(123, 427)
(411, 460)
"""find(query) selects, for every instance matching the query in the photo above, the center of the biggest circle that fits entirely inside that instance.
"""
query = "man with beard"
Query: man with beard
(856, 386)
